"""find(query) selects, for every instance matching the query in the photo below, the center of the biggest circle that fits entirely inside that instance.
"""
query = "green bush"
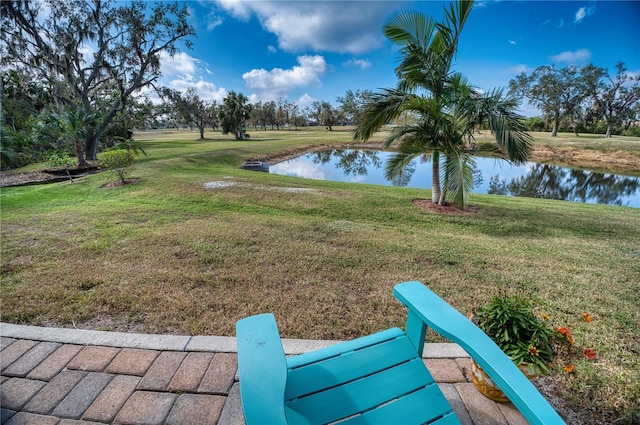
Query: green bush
(116, 160)
(60, 160)
(634, 131)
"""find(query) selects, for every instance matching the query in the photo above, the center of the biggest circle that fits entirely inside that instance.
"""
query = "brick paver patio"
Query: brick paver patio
(71, 377)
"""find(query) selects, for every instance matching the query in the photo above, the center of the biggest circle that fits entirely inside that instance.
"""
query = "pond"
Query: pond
(492, 176)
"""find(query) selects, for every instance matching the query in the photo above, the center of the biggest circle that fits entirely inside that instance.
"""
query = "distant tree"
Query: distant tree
(294, 110)
(558, 93)
(353, 104)
(91, 54)
(233, 114)
(616, 99)
(282, 112)
(191, 109)
(326, 114)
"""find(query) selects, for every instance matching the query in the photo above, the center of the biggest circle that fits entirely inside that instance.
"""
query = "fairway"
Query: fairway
(179, 253)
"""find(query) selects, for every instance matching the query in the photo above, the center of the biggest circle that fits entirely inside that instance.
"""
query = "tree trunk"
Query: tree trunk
(80, 154)
(435, 185)
(202, 133)
(91, 147)
(608, 134)
(556, 124)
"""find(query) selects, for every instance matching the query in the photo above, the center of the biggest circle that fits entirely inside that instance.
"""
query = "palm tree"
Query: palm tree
(233, 114)
(444, 106)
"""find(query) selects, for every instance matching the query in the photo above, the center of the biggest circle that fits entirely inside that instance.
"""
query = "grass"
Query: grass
(167, 255)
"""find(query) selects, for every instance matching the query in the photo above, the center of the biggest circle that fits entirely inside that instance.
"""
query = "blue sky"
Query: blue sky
(317, 50)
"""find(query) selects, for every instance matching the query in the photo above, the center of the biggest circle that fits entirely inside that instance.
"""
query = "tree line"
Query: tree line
(236, 115)
(583, 99)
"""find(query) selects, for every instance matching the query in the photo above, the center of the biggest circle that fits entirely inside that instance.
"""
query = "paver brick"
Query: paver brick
(54, 363)
(444, 370)
(483, 411)
(54, 392)
(5, 341)
(452, 396)
(161, 371)
(78, 422)
(94, 359)
(464, 363)
(24, 418)
(108, 404)
(30, 359)
(512, 415)
(220, 375)
(232, 411)
(82, 395)
(190, 372)
(132, 361)
(146, 407)
(196, 409)
(16, 392)
(14, 351)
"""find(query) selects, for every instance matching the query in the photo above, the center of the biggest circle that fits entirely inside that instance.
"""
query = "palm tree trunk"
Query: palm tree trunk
(435, 186)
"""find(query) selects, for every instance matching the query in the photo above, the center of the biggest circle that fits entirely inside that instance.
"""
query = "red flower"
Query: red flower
(569, 368)
(587, 317)
(590, 353)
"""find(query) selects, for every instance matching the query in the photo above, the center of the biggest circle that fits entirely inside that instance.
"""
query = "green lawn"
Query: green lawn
(167, 255)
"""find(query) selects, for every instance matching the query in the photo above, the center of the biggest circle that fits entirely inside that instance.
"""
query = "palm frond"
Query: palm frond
(382, 109)
(458, 177)
(401, 159)
(507, 125)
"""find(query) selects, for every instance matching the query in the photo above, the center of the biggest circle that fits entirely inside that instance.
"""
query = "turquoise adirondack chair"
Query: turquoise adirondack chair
(376, 379)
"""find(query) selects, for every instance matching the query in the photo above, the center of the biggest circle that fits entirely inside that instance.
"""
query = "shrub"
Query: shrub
(60, 160)
(116, 160)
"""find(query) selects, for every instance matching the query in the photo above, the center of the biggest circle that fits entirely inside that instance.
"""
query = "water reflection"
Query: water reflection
(552, 182)
(491, 176)
(352, 162)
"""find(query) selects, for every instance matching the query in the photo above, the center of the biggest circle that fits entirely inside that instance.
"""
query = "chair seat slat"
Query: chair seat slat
(434, 409)
(349, 366)
(342, 347)
(361, 395)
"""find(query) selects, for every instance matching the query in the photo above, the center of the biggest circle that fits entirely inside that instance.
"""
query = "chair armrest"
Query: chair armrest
(262, 369)
(448, 322)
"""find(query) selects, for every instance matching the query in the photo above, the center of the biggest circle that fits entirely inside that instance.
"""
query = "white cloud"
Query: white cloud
(279, 82)
(204, 89)
(578, 56)
(305, 100)
(214, 21)
(180, 63)
(517, 69)
(360, 63)
(272, 49)
(238, 9)
(513, 42)
(342, 27)
(583, 12)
